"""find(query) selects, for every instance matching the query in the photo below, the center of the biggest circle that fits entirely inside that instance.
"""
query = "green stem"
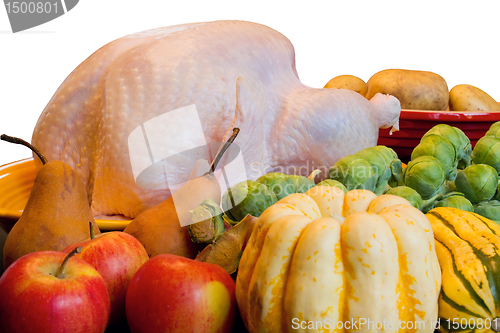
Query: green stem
(427, 205)
(18, 141)
(448, 186)
(60, 271)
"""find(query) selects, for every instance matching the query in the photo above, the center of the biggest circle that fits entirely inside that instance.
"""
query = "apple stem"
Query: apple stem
(60, 271)
(92, 231)
(12, 139)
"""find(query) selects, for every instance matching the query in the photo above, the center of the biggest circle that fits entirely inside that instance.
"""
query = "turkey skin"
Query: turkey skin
(221, 74)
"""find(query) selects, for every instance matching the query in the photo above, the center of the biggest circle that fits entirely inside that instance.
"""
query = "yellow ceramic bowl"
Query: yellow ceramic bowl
(16, 181)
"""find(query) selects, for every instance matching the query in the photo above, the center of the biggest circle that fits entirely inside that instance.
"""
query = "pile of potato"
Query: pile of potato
(418, 90)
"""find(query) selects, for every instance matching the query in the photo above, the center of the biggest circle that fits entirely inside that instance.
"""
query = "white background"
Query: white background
(455, 39)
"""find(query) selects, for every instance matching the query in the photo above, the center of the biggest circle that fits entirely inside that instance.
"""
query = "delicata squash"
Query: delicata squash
(467, 246)
(324, 260)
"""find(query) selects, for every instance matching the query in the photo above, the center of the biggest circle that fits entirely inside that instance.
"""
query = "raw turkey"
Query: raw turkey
(215, 76)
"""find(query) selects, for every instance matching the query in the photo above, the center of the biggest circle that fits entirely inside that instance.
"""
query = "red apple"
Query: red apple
(171, 293)
(45, 292)
(116, 256)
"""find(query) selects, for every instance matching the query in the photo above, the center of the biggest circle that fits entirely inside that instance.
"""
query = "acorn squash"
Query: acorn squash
(468, 247)
(323, 260)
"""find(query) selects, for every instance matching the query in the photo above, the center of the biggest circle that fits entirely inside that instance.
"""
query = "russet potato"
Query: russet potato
(464, 97)
(417, 90)
(349, 82)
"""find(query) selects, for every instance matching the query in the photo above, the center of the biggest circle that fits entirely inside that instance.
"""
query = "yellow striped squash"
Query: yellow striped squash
(328, 262)
(468, 248)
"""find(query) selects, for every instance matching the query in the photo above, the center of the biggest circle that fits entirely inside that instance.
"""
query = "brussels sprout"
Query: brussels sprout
(354, 172)
(455, 200)
(440, 148)
(302, 184)
(408, 193)
(281, 184)
(458, 138)
(334, 183)
(478, 182)
(487, 151)
(426, 175)
(247, 197)
(489, 209)
(207, 222)
(494, 130)
(385, 163)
